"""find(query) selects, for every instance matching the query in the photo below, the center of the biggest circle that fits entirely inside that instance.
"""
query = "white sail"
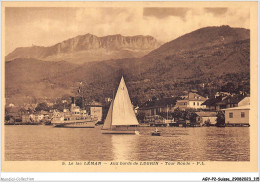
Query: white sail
(122, 112)
(108, 120)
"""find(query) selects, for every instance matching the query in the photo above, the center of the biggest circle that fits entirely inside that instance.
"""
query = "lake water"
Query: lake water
(175, 144)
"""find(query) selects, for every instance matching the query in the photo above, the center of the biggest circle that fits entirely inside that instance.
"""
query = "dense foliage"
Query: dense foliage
(220, 118)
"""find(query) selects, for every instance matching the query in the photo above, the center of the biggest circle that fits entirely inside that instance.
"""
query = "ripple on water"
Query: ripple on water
(175, 144)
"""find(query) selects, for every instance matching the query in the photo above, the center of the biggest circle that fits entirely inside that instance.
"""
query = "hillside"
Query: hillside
(204, 37)
(87, 48)
(207, 67)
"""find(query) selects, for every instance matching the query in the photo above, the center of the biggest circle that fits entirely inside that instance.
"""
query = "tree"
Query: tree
(60, 105)
(80, 101)
(7, 110)
(135, 101)
(229, 87)
(177, 114)
(30, 110)
(42, 107)
(9, 118)
(154, 98)
(190, 115)
(140, 116)
(67, 98)
(22, 111)
(220, 118)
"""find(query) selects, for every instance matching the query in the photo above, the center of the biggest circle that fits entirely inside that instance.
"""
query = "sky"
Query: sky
(46, 26)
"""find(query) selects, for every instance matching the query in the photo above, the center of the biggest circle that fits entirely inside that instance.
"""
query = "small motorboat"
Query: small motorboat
(156, 132)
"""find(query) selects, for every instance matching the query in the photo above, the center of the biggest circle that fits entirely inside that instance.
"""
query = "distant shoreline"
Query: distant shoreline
(25, 123)
(228, 125)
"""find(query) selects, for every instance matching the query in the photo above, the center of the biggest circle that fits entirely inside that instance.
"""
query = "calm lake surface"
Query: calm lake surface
(175, 144)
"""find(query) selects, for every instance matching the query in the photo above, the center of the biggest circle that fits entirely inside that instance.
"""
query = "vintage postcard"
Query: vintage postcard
(129, 87)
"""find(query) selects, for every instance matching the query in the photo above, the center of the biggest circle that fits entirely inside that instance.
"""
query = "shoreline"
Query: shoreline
(140, 126)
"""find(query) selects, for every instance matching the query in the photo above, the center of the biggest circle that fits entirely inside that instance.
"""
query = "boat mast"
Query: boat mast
(112, 111)
(82, 96)
(167, 111)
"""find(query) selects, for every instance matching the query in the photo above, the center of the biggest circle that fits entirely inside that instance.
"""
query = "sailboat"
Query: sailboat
(120, 118)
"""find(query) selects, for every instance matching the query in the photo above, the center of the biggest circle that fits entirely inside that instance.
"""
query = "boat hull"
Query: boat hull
(120, 132)
(77, 125)
(156, 134)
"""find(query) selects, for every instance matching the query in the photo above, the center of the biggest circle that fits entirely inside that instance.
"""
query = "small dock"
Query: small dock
(158, 124)
(237, 125)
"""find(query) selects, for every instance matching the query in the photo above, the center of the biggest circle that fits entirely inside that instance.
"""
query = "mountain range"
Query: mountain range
(206, 59)
(88, 48)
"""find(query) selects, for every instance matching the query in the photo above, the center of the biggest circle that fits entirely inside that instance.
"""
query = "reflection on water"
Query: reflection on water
(175, 144)
(124, 146)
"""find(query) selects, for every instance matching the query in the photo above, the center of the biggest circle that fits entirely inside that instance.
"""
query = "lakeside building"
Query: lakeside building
(206, 118)
(157, 120)
(191, 101)
(38, 117)
(237, 116)
(212, 103)
(245, 101)
(34, 118)
(230, 101)
(95, 110)
(26, 118)
(222, 102)
(154, 107)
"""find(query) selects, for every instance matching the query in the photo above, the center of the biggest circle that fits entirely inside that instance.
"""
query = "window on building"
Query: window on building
(194, 103)
(231, 115)
(198, 104)
(242, 114)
